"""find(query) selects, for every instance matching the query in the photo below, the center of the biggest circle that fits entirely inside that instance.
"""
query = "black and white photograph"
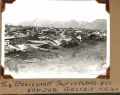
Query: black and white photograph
(55, 39)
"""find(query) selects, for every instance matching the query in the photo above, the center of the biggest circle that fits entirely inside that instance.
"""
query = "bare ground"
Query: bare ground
(88, 58)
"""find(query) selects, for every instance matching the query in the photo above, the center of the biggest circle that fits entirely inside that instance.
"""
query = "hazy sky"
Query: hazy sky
(24, 10)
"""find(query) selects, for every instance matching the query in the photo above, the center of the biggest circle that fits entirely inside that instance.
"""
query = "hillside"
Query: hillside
(96, 24)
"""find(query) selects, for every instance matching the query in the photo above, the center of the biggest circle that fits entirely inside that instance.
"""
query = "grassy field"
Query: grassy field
(89, 57)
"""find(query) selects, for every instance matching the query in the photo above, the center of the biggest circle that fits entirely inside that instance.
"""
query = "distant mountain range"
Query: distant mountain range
(96, 24)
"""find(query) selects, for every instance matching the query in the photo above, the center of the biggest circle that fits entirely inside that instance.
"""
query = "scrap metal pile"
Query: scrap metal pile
(25, 38)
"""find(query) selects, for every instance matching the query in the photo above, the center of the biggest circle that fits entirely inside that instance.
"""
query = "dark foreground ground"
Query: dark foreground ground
(88, 58)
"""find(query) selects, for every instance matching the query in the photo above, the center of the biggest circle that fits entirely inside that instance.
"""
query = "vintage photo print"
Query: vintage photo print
(55, 39)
